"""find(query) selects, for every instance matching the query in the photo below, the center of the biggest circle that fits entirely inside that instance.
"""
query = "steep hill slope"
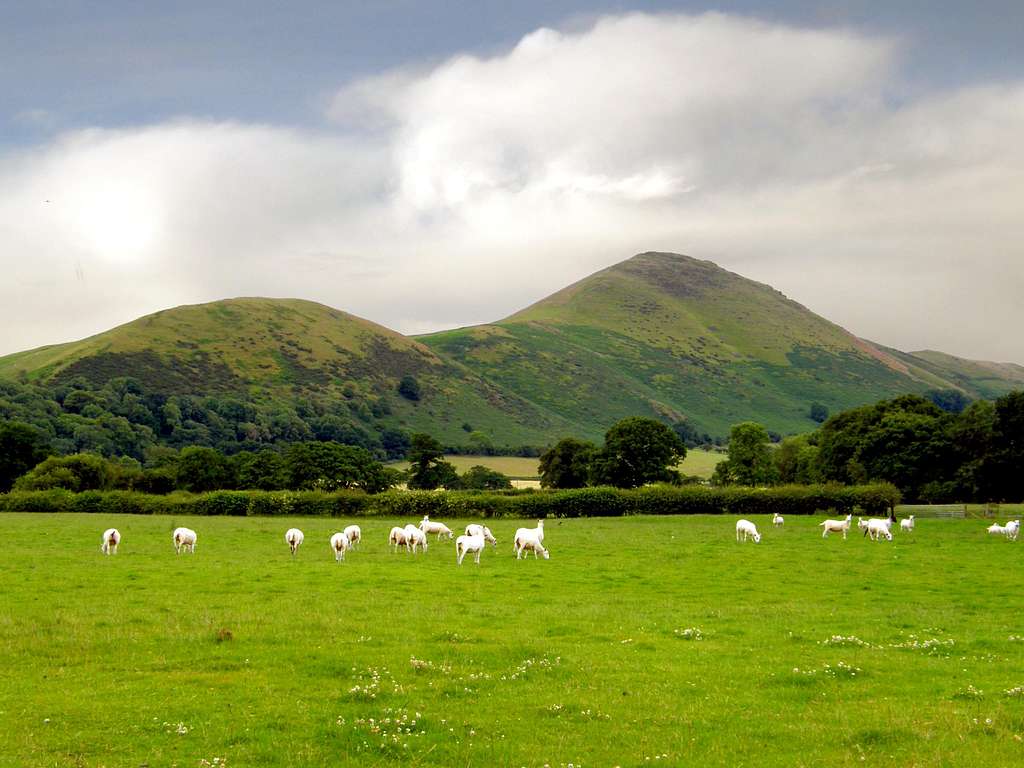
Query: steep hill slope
(978, 378)
(667, 335)
(661, 334)
(278, 351)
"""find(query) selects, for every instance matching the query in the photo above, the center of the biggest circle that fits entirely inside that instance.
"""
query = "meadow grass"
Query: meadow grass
(641, 641)
(698, 463)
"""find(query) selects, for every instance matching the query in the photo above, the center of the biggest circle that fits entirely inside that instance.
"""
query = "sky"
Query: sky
(432, 165)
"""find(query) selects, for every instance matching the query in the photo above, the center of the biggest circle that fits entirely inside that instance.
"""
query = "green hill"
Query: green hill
(279, 351)
(670, 336)
(661, 334)
(978, 378)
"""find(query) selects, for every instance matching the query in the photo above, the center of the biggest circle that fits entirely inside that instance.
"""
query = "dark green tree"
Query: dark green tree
(22, 447)
(331, 467)
(262, 470)
(796, 461)
(409, 388)
(484, 479)
(691, 435)
(395, 442)
(566, 464)
(429, 470)
(204, 469)
(636, 451)
(949, 400)
(749, 459)
(819, 412)
(1006, 466)
(78, 472)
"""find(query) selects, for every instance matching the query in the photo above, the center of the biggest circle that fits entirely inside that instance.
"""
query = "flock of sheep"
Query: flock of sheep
(874, 528)
(411, 537)
(527, 540)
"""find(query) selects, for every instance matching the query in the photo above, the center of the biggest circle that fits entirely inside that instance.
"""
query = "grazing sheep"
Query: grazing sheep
(414, 537)
(474, 544)
(397, 538)
(777, 520)
(354, 534)
(877, 527)
(184, 540)
(294, 537)
(746, 529)
(339, 545)
(907, 525)
(836, 526)
(111, 538)
(1012, 529)
(475, 529)
(433, 527)
(526, 541)
(996, 529)
(537, 533)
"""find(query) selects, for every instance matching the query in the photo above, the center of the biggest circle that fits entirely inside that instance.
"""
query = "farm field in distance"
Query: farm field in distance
(643, 640)
(698, 462)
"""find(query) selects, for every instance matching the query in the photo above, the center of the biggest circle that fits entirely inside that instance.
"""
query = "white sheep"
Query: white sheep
(339, 546)
(996, 529)
(876, 527)
(111, 538)
(475, 529)
(537, 533)
(474, 544)
(397, 538)
(429, 526)
(526, 541)
(777, 520)
(836, 526)
(746, 529)
(414, 537)
(184, 540)
(1012, 529)
(907, 524)
(293, 537)
(354, 534)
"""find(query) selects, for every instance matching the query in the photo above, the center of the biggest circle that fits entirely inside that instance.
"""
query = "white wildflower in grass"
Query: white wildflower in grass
(689, 633)
(1016, 638)
(626, 641)
(848, 641)
(527, 665)
(969, 692)
(932, 646)
(423, 665)
(1015, 693)
(370, 683)
(839, 670)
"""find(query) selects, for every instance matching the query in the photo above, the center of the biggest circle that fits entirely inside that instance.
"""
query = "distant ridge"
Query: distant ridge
(660, 334)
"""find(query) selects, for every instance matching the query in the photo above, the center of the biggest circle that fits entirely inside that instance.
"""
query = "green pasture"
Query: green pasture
(698, 463)
(642, 641)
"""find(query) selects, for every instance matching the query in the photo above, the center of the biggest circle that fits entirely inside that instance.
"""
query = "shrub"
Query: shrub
(413, 505)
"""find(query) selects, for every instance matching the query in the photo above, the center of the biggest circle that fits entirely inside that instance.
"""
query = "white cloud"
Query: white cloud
(461, 192)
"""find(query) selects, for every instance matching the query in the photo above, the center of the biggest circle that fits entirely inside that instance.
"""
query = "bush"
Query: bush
(413, 505)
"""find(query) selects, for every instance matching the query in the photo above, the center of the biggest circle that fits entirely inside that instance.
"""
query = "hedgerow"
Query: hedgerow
(584, 502)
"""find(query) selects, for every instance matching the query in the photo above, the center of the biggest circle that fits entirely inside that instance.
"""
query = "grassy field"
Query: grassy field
(641, 641)
(697, 462)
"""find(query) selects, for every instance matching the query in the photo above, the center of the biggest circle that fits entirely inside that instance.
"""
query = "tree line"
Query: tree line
(934, 448)
(121, 418)
(962, 452)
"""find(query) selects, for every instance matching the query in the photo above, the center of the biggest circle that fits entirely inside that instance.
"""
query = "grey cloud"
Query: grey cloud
(460, 192)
